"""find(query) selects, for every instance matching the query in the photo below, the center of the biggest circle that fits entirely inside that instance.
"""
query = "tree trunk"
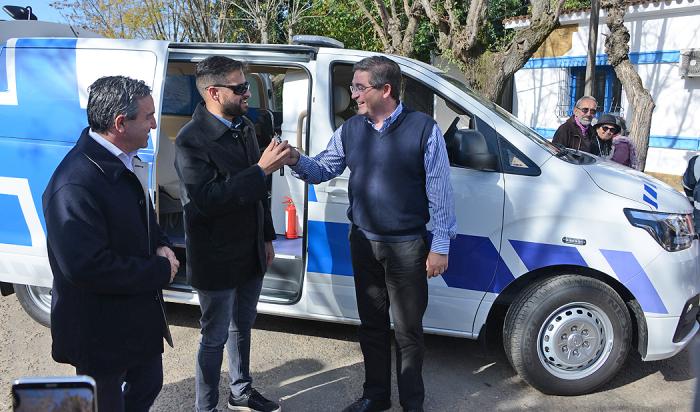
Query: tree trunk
(641, 103)
(486, 71)
(592, 48)
(396, 27)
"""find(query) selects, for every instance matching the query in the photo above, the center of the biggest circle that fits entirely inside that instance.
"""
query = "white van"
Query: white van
(570, 260)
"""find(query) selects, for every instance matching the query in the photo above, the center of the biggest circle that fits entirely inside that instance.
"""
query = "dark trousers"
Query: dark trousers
(391, 276)
(143, 383)
(227, 319)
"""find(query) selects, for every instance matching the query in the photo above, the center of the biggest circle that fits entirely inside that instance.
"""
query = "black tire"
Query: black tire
(36, 301)
(567, 335)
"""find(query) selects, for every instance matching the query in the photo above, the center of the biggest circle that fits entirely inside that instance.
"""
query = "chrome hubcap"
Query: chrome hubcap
(575, 340)
(40, 296)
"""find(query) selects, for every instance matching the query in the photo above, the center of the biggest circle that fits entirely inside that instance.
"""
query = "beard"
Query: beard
(584, 121)
(234, 109)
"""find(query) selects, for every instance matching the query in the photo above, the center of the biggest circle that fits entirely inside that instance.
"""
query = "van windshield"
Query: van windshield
(505, 115)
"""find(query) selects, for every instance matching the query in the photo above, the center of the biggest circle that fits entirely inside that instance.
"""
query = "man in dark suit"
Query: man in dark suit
(228, 228)
(109, 258)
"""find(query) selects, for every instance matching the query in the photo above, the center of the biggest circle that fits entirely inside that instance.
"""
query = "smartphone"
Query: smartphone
(278, 139)
(55, 393)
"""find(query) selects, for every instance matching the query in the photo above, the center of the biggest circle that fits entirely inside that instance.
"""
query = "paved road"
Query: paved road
(314, 366)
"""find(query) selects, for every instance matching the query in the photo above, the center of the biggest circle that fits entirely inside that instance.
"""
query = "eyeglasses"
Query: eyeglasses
(239, 89)
(608, 128)
(360, 88)
(586, 110)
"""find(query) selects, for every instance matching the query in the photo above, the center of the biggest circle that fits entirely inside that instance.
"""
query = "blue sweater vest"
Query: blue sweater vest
(387, 180)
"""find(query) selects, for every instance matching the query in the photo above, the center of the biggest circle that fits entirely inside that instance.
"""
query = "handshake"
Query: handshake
(277, 154)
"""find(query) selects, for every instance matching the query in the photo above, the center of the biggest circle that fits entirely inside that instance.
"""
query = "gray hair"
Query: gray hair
(112, 96)
(214, 70)
(578, 102)
(382, 70)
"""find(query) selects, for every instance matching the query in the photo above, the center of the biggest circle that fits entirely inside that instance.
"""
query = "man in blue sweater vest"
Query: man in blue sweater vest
(399, 173)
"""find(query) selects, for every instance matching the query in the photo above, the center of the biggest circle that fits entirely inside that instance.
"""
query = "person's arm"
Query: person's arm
(439, 191)
(322, 167)
(560, 136)
(89, 262)
(164, 247)
(621, 153)
(689, 179)
(211, 192)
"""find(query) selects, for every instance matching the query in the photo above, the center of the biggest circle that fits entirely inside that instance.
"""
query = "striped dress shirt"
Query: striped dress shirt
(331, 163)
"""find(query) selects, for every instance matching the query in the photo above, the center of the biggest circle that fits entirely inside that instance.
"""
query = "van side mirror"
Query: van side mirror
(468, 148)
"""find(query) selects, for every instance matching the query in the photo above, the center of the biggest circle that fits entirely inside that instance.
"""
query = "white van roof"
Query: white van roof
(34, 28)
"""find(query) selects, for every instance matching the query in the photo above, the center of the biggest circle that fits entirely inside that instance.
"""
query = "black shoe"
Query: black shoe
(367, 405)
(253, 401)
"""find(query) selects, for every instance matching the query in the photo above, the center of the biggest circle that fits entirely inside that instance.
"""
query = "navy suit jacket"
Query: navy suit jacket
(106, 312)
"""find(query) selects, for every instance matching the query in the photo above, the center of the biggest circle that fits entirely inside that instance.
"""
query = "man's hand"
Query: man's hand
(167, 253)
(293, 156)
(275, 156)
(436, 264)
(269, 253)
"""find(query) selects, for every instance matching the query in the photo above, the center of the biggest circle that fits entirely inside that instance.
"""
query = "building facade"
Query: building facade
(665, 49)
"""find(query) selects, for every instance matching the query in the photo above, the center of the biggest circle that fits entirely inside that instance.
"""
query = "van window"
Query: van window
(180, 95)
(465, 134)
(450, 117)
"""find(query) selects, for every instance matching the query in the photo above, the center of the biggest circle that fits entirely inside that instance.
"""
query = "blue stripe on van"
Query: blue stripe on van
(651, 190)
(631, 274)
(472, 263)
(328, 248)
(650, 201)
(473, 267)
(47, 93)
(13, 226)
(650, 196)
(539, 255)
(34, 161)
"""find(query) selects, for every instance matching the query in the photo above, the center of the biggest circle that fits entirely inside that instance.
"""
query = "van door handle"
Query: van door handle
(337, 191)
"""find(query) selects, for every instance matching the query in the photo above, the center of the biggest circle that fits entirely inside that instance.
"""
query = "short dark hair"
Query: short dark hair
(111, 96)
(213, 70)
(382, 70)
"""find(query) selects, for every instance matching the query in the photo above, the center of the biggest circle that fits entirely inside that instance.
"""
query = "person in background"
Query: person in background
(692, 189)
(577, 133)
(613, 145)
(110, 260)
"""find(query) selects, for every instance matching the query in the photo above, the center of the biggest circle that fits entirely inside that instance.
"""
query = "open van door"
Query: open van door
(43, 99)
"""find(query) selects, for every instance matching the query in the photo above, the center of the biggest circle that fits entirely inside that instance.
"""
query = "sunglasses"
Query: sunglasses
(586, 110)
(608, 128)
(238, 89)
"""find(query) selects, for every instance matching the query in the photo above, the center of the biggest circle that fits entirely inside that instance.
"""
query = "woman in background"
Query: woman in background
(613, 145)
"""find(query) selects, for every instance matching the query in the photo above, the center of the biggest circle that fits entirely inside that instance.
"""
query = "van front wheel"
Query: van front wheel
(36, 301)
(567, 335)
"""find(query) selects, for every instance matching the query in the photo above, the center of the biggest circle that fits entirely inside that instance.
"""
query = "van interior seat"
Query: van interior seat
(341, 101)
(168, 180)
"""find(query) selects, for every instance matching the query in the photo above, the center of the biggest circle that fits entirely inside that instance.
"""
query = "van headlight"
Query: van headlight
(673, 231)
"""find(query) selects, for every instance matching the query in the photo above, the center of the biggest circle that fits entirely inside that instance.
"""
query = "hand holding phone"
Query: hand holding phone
(54, 393)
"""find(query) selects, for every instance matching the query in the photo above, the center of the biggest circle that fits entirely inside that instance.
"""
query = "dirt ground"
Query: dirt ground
(314, 366)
